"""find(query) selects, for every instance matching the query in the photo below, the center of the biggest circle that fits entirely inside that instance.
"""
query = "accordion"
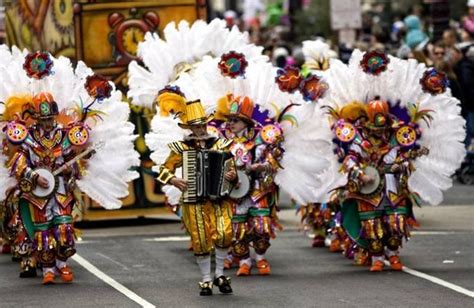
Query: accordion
(204, 171)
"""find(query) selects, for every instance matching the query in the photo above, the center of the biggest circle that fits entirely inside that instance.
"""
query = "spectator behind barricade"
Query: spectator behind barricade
(444, 66)
(415, 36)
(345, 52)
(231, 18)
(298, 57)
(469, 21)
(404, 51)
(268, 51)
(438, 52)
(379, 39)
(464, 69)
(422, 54)
(252, 10)
(397, 30)
(279, 56)
(453, 55)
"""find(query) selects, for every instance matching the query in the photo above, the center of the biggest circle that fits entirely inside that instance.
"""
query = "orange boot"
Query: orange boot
(48, 278)
(395, 263)
(361, 258)
(244, 270)
(263, 267)
(335, 246)
(377, 266)
(66, 274)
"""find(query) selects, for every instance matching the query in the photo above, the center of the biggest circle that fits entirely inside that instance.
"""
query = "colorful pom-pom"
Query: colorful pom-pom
(374, 62)
(233, 64)
(38, 65)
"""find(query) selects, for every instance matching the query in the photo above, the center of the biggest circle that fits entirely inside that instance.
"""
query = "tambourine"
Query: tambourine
(78, 135)
(270, 134)
(406, 136)
(16, 132)
(345, 132)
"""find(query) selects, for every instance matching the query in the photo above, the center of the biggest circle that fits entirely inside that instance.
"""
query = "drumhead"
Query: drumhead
(370, 188)
(44, 192)
(243, 188)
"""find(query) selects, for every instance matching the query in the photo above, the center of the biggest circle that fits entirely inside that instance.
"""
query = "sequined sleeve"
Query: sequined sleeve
(18, 165)
(167, 169)
(351, 164)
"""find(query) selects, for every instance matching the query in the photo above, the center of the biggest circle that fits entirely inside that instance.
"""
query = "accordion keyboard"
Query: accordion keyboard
(190, 174)
(204, 172)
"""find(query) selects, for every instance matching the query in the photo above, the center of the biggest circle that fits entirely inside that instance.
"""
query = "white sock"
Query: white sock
(221, 255)
(390, 253)
(259, 257)
(48, 270)
(247, 261)
(229, 257)
(204, 263)
(377, 258)
(252, 254)
(60, 264)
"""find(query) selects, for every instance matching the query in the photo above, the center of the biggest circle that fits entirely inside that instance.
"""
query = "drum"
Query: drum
(52, 181)
(242, 188)
(370, 188)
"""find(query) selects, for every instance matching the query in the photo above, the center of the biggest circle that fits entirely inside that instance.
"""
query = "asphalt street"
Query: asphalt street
(148, 264)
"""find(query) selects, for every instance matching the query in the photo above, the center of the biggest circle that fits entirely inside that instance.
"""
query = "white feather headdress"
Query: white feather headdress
(180, 48)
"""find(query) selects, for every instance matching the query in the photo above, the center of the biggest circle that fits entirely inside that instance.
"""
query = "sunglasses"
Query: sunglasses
(233, 120)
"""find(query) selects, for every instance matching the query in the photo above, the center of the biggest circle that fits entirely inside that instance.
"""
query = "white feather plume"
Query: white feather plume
(316, 52)
(164, 130)
(6, 181)
(308, 161)
(182, 44)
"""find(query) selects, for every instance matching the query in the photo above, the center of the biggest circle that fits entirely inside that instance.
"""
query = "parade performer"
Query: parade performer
(15, 236)
(255, 217)
(319, 219)
(56, 142)
(397, 133)
(207, 219)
